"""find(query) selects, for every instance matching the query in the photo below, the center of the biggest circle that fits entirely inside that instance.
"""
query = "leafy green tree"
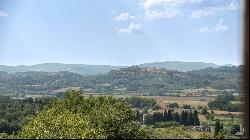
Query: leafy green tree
(79, 117)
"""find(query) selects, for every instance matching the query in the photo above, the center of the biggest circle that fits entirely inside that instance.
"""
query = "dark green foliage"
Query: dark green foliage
(221, 126)
(187, 106)
(187, 118)
(190, 118)
(14, 113)
(196, 118)
(138, 116)
(170, 116)
(235, 128)
(226, 97)
(173, 105)
(200, 107)
(204, 111)
(176, 116)
(224, 105)
(139, 102)
(165, 115)
(217, 128)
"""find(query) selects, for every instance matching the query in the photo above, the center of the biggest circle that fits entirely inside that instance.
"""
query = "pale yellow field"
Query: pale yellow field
(226, 112)
(193, 101)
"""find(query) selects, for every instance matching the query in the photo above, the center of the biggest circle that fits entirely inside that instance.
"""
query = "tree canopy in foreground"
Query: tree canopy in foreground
(76, 116)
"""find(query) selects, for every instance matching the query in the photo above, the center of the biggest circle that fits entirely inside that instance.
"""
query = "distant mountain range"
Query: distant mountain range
(127, 80)
(102, 69)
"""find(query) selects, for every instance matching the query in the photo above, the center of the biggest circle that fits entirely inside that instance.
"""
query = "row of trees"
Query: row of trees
(184, 117)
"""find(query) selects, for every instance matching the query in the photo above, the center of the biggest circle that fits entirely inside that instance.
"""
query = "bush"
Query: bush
(166, 124)
(170, 133)
(187, 106)
(235, 128)
(200, 107)
(204, 111)
(173, 105)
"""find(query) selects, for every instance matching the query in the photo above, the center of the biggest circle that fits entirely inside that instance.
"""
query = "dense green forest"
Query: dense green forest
(126, 80)
(14, 113)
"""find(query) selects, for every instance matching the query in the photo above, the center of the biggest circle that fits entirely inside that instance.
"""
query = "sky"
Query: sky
(120, 32)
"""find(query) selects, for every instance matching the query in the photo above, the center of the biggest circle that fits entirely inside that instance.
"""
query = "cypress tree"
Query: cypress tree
(221, 126)
(196, 118)
(155, 119)
(137, 116)
(181, 119)
(165, 115)
(176, 117)
(185, 114)
(190, 119)
(217, 127)
(169, 117)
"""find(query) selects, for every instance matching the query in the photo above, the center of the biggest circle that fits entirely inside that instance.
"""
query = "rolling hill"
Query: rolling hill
(102, 69)
(125, 80)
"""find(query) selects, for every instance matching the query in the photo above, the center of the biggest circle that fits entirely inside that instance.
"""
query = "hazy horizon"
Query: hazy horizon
(120, 33)
(119, 65)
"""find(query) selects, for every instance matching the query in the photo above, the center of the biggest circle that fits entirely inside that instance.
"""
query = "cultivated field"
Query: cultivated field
(193, 101)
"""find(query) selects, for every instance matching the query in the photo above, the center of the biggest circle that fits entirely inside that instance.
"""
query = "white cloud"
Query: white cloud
(166, 9)
(234, 5)
(219, 27)
(208, 11)
(196, 1)
(204, 29)
(201, 13)
(133, 28)
(3, 14)
(165, 14)
(161, 9)
(148, 4)
(124, 16)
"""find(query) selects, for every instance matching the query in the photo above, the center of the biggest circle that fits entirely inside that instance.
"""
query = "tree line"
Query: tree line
(185, 117)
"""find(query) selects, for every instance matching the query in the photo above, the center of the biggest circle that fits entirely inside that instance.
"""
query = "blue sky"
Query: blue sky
(120, 32)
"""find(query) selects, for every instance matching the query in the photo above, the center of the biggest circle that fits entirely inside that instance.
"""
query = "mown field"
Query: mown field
(193, 101)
